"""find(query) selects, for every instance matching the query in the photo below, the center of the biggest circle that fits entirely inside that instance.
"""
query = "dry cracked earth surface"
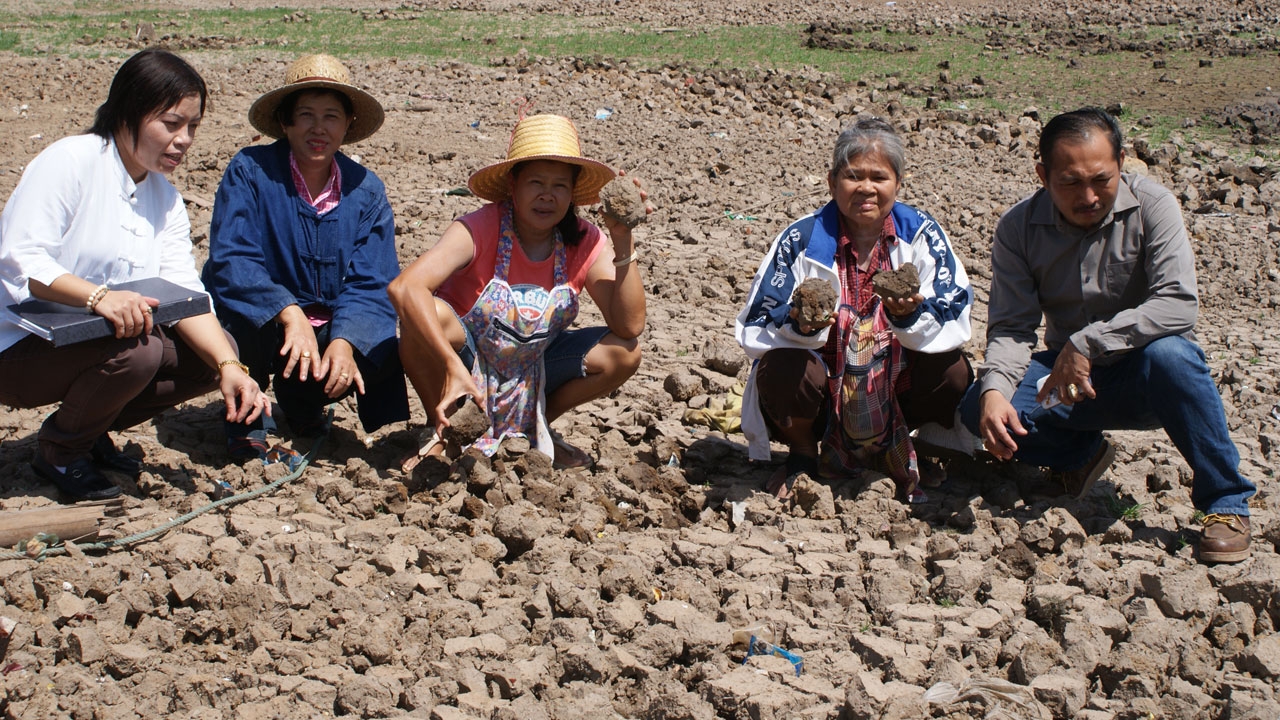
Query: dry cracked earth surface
(508, 590)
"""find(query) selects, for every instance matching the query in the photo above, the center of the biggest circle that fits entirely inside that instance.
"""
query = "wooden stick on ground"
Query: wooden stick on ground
(69, 522)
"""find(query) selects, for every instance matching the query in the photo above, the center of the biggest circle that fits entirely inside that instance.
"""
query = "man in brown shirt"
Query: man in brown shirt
(1104, 257)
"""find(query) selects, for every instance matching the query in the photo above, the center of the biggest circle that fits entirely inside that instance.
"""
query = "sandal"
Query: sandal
(780, 484)
(432, 446)
(567, 456)
(250, 447)
(288, 457)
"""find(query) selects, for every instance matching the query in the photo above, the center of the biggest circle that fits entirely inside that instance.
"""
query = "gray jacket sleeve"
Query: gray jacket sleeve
(1013, 309)
(1154, 292)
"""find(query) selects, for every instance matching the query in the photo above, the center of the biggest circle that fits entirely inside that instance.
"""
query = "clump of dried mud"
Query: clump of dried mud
(621, 198)
(897, 284)
(466, 425)
(501, 588)
(814, 300)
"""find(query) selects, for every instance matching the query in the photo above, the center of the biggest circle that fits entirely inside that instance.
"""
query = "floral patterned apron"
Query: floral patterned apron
(512, 327)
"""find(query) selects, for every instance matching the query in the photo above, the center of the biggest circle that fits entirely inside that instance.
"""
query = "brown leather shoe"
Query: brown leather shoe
(1078, 483)
(1224, 539)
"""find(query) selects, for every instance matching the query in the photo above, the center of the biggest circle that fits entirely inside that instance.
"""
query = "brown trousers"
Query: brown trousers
(792, 383)
(102, 385)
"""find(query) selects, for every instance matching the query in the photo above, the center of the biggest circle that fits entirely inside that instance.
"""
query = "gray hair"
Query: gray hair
(864, 137)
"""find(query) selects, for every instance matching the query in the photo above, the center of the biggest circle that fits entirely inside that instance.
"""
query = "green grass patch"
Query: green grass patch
(476, 37)
(1122, 509)
(1014, 71)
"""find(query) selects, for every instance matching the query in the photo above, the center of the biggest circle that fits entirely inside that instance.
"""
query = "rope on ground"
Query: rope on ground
(183, 519)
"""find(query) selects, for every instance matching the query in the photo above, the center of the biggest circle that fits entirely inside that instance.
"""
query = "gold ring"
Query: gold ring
(1073, 391)
(150, 309)
(344, 376)
(306, 354)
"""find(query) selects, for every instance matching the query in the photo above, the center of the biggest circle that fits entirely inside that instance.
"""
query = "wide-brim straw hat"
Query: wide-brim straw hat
(543, 137)
(316, 72)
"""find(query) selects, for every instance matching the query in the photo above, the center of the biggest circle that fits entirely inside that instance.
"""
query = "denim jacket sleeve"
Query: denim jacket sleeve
(236, 272)
(362, 312)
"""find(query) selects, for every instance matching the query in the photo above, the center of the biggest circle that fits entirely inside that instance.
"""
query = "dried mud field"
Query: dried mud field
(508, 590)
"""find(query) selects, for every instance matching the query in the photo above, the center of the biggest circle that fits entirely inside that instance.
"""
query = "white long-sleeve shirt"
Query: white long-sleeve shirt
(77, 211)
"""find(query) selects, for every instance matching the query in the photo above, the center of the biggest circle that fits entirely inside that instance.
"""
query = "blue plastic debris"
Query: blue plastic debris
(758, 646)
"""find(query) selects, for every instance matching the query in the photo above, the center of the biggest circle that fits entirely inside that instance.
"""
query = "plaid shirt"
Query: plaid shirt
(892, 452)
(856, 283)
(329, 196)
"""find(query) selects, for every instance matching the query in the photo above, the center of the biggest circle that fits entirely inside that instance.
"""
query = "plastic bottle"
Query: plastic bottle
(760, 632)
(759, 641)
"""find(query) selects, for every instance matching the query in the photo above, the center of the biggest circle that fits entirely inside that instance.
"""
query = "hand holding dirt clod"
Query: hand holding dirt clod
(899, 290)
(897, 284)
(468, 424)
(624, 200)
(812, 304)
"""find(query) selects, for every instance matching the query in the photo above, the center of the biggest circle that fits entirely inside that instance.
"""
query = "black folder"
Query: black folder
(67, 324)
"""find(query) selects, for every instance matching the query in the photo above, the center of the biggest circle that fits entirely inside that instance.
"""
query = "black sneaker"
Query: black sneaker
(81, 481)
(1078, 483)
(107, 457)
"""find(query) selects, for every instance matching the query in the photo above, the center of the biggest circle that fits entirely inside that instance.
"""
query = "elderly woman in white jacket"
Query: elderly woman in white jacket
(850, 389)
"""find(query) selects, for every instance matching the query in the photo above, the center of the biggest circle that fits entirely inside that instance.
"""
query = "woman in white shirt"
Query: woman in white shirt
(92, 211)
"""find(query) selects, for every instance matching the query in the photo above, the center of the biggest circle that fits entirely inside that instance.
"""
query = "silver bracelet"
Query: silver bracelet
(628, 259)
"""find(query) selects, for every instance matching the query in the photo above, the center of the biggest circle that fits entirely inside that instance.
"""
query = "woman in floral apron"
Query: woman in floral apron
(486, 312)
(851, 390)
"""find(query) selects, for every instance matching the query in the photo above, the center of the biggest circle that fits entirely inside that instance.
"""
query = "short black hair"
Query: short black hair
(148, 83)
(284, 111)
(1076, 125)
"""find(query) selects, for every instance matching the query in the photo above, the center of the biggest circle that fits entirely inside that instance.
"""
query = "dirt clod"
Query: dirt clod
(621, 199)
(814, 300)
(897, 284)
(466, 425)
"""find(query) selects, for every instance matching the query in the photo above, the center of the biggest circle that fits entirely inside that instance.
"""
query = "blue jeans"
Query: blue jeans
(1164, 384)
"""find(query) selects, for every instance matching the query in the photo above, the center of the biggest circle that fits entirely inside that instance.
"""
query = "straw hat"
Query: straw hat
(318, 72)
(543, 137)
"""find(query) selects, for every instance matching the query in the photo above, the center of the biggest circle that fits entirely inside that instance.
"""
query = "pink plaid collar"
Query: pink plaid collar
(329, 197)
